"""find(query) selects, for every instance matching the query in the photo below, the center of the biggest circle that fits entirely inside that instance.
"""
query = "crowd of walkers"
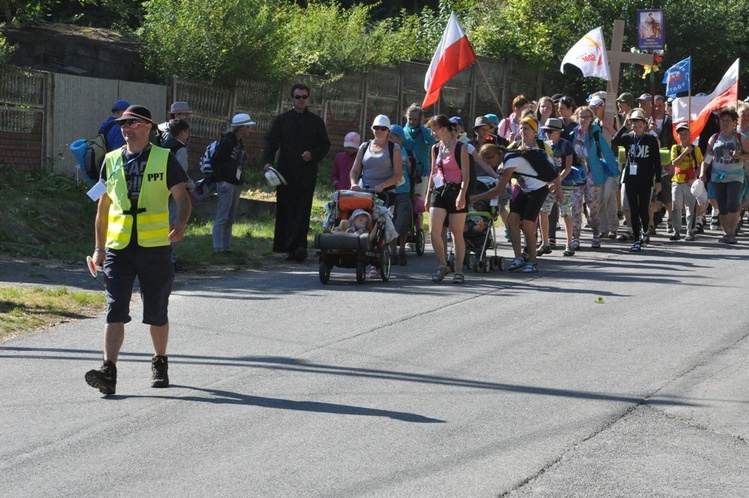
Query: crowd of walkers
(623, 176)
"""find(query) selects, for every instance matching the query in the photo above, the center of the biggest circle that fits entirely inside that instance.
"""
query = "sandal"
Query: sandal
(636, 247)
(516, 264)
(459, 278)
(439, 275)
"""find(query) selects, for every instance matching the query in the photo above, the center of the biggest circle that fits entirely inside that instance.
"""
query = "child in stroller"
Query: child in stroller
(479, 233)
(358, 237)
(358, 223)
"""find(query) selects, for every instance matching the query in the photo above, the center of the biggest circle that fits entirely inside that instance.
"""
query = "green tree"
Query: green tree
(213, 40)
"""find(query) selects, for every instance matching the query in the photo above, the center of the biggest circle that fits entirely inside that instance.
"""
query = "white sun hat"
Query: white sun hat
(274, 177)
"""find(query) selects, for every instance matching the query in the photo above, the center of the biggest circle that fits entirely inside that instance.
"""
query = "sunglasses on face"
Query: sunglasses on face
(380, 128)
(301, 97)
(130, 122)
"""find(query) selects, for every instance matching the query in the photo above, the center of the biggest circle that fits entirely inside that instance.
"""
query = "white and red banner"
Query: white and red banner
(589, 54)
(726, 93)
(453, 55)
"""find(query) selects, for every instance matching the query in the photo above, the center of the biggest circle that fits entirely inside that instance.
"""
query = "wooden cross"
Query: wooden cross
(616, 58)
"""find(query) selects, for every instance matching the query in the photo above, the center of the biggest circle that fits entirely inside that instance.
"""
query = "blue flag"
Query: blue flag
(678, 77)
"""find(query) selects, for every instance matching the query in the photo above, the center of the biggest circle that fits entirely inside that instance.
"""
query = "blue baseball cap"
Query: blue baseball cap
(397, 130)
(120, 105)
(457, 120)
(493, 118)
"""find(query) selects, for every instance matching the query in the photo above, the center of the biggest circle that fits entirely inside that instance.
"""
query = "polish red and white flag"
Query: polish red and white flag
(726, 93)
(454, 54)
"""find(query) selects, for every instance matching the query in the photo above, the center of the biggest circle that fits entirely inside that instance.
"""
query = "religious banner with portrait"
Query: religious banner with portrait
(651, 31)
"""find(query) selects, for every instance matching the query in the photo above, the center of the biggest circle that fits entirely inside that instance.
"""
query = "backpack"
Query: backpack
(546, 170)
(205, 162)
(96, 149)
(471, 170)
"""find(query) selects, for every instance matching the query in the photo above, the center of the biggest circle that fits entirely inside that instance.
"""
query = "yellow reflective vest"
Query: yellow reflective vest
(153, 202)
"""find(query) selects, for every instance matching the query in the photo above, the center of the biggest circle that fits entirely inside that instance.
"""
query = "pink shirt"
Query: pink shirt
(446, 166)
(340, 176)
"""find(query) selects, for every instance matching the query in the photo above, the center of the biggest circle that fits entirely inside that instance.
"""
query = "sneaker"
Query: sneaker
(690, 237)
(568, 251)
(159, 375)
(543, 249)
(626, 237)
(596, 242)
(729, 239)
(439, 275)
(675, 236)
(516, 264)
(530, 268)
(459, 278)
(104, 379)
(575, 244)
(714, 226)
(374, 273)
(402, 259)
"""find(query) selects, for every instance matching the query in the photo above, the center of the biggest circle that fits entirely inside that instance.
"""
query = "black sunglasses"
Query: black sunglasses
(301, 97)
(380, 128)
(130, 122)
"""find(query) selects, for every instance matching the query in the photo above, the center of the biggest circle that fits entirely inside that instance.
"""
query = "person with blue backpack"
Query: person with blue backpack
(110, 128)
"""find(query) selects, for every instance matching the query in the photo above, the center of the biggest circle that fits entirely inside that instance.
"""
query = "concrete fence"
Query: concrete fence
(42, 113)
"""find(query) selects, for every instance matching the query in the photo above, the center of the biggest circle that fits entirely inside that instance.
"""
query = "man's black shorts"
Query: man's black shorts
(155, 272)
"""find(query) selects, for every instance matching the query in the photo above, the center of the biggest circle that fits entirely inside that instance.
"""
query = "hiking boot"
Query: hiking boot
(159, 374)
(104, 379)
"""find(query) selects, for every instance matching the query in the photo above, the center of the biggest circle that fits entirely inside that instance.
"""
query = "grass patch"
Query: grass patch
(45, 215)
(50, 216)
(24, 309)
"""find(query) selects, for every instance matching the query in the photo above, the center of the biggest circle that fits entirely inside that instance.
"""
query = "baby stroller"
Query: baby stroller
(354, 250)
(416, 235)
(480, 235)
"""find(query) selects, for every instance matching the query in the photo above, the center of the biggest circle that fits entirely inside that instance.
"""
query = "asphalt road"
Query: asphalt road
(605, 374)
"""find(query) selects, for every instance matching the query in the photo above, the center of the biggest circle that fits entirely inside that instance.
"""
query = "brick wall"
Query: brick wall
(23, 150)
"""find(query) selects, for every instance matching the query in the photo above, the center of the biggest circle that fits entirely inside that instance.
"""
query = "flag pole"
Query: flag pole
(689, 100)
(491, 90)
